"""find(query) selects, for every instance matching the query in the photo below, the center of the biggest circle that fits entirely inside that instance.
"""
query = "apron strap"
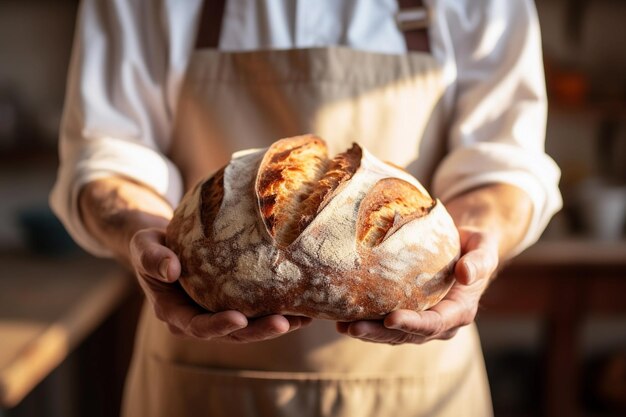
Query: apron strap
(210, 27)
(412, 19)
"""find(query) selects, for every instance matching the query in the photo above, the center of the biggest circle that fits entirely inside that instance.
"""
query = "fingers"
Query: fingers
(416, 333)
(211, 326)
(184, 318)
(427, 324)
(157, 270)
(424, 323)
(269, 327)
(441, 322)
(187, 320)
(434, 323)
(262, 329)
(172, 306)
(375, 331)
(298, 322)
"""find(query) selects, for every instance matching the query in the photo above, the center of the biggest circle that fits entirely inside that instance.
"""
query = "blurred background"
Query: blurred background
(553, 325)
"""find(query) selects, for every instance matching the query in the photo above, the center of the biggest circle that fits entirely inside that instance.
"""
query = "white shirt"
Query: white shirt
(130, 57)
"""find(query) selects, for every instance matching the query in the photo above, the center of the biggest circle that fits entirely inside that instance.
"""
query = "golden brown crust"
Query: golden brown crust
(391, 203)
(288, 174)
(340, 169)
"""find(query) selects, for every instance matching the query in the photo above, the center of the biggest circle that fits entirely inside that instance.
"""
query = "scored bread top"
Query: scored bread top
(295, 179)
(288, 174)
(391, 203)
(340, 169)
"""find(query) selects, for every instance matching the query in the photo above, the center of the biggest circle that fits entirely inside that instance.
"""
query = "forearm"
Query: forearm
(114, 209)
(501, 209)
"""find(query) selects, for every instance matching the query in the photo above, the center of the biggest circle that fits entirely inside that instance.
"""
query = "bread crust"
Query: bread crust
(276, 232)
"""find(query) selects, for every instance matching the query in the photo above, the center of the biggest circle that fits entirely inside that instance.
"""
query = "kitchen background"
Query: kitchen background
(553, 325)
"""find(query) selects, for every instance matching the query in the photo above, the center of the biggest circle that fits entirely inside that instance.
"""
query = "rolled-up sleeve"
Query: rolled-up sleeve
(127, 64)
(498, 124)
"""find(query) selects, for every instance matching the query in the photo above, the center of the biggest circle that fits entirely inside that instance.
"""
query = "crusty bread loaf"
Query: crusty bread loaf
(289, 231)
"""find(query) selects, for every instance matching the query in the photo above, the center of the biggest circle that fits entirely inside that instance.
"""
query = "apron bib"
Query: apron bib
(238, 100)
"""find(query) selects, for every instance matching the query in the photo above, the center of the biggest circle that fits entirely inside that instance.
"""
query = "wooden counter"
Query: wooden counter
(574, 252)
(47, 307)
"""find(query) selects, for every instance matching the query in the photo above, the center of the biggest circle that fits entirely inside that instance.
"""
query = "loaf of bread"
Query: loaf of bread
(286, 230)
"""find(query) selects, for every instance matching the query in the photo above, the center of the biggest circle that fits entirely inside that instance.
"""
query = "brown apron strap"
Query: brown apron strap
(210, 26)
(412, 20)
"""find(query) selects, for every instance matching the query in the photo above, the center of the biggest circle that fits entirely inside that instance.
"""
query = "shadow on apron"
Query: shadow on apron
(225, 393)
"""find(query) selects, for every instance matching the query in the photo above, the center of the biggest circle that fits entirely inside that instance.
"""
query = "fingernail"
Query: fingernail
(163, 268)
(357, 331)
(395, 326)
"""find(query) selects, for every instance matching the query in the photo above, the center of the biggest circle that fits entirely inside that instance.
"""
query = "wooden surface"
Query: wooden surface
(574, 252)
(47, 307)
(562, 283)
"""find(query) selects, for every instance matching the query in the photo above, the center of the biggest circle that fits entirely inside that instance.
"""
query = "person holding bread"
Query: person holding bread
(160, 94)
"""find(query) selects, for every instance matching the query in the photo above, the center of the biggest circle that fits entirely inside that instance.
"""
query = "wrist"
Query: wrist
(133, 221)
(113, 210)
(503, 211)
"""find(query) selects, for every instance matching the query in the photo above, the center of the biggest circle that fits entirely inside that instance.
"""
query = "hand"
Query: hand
(458, 308)
(158, 269)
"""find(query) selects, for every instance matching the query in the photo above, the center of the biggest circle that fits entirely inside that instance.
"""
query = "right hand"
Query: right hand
(157, 269)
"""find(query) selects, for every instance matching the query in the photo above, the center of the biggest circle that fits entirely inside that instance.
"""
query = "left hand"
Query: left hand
(479, 260)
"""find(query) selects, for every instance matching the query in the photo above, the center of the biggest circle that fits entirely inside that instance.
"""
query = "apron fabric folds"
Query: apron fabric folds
(237, 100)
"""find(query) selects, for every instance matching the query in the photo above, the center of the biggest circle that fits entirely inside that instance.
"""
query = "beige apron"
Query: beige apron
(233, 101)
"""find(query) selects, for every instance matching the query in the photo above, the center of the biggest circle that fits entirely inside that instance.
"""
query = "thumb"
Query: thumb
(151, 257)
(480, 259)
(169, 269)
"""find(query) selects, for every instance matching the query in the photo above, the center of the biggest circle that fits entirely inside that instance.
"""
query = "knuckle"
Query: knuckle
(139, 241)
(235, 338)
(150, 255)
(430, 332)
(149, 260)
(174, 330)
(434, 330)
(402, 339)
(492, 263)
(197, 333)
(159, 312)
(135, 241)
(449, 334)
(144, 259)
(467, 317)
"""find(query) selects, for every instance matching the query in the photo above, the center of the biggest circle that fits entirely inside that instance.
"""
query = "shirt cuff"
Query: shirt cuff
(109, 157)
(486, 163)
